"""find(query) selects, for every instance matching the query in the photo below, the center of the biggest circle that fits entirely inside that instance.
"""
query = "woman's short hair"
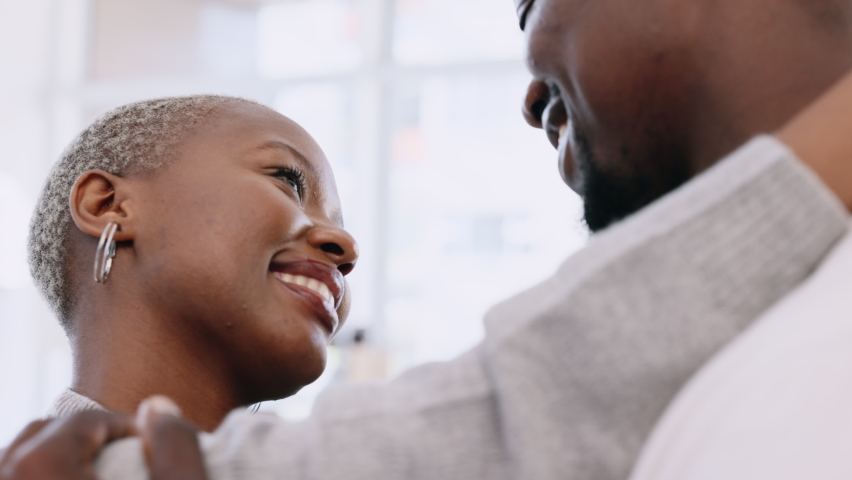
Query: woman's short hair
(135, 138)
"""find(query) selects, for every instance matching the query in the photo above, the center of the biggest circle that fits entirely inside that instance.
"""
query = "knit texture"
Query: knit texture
(70, 402)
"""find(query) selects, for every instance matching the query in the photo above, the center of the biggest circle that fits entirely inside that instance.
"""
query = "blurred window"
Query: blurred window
(15, 209)
(452, 31)
(477, 211)
(307, 38)
(325, 111)
(455, 202)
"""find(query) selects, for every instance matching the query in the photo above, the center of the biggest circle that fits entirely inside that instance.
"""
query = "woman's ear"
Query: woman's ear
(99, 198)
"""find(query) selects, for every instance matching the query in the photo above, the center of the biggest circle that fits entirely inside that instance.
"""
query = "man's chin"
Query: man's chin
(608, 200)
(597, 222)
(605, 200)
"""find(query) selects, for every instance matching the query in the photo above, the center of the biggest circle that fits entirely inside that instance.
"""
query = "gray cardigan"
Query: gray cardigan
(573, 373)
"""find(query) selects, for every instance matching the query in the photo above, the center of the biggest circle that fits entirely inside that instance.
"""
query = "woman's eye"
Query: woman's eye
(292, 176)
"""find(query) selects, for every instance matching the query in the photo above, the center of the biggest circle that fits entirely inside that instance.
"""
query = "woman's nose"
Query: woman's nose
(538, 96)
(336, 244)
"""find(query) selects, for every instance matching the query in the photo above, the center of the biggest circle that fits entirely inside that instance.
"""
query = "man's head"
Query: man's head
(640, 96)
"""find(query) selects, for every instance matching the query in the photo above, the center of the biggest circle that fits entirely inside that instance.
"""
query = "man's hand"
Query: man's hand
(170, 442)
(64, 448)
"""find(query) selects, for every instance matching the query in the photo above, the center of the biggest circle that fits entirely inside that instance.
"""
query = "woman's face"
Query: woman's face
(241, 248)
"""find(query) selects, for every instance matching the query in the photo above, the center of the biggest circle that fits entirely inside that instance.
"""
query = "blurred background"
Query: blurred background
(455, 202)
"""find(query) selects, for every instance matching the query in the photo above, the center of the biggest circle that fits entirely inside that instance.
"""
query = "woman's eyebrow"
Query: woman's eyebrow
(277, 145)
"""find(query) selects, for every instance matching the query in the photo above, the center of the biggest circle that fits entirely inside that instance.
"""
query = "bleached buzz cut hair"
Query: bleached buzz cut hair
(131, 139)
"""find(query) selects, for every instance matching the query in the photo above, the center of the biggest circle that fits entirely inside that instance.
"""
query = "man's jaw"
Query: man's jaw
(579, 170)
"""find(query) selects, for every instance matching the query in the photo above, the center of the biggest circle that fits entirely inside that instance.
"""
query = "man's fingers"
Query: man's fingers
(64, 448)
(170, 442)
(86, 433)
(28, 432)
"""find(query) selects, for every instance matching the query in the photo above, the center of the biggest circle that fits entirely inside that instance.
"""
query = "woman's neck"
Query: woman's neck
(121, 360)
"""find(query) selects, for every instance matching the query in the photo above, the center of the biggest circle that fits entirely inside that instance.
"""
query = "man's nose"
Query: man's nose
(538, 96)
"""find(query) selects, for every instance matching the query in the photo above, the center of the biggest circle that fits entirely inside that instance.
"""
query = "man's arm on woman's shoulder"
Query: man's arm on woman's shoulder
(737, 238)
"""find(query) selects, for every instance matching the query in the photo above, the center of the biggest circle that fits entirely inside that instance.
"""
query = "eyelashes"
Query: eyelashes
(294, 177)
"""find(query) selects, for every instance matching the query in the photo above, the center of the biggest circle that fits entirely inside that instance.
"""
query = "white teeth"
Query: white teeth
(307, 282)
(562, 130)
(325, 292)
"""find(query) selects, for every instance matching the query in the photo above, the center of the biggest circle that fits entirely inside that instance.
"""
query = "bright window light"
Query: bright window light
(436, 32)
(307, 38)
(15, 210)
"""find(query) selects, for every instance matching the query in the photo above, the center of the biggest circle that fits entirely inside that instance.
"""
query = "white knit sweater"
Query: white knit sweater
(72, 402)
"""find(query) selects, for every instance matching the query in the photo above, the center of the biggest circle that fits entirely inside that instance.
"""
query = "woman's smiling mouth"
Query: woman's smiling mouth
(319, 284)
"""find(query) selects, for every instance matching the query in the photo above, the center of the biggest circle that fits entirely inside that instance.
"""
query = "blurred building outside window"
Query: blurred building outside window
(455, 202)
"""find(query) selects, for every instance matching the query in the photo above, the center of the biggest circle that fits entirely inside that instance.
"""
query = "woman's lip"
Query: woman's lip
(324, 273)
(325, 311)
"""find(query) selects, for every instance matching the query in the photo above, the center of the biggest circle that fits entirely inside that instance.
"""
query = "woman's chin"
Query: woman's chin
(284, 377)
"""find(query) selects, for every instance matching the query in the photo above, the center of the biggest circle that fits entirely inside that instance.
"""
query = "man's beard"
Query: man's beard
(610, 196)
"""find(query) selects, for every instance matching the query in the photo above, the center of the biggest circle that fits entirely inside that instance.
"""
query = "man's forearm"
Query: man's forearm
(574, 372)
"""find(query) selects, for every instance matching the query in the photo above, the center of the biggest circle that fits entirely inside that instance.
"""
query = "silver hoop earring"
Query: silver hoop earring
(105, 253)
